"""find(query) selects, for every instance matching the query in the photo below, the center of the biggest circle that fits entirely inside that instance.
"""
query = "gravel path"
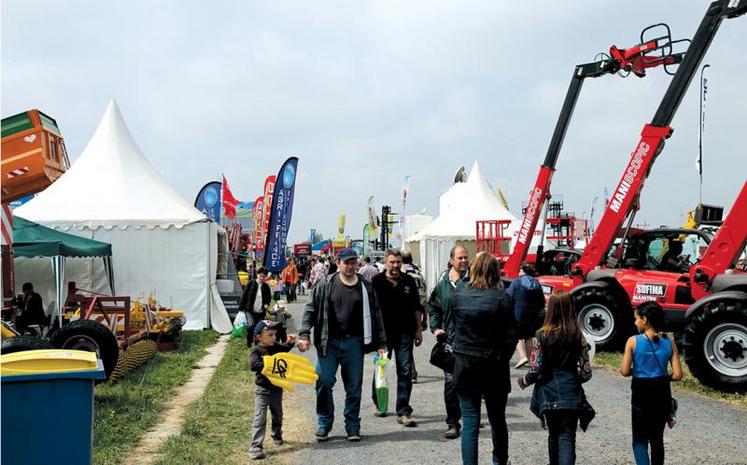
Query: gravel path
(709, 432)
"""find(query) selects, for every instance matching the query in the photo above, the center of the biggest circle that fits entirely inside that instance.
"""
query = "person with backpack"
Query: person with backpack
(646, 358)
(559, 366)
(412, 270)
(529, 309)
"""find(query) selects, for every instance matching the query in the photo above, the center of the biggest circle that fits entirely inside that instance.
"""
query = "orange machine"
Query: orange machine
(33, 154)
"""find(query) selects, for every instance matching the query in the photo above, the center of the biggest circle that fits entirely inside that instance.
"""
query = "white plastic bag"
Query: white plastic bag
(240, 319)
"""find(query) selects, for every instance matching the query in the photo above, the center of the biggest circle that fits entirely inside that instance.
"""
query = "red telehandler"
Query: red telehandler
(648, 54)
(715, 346)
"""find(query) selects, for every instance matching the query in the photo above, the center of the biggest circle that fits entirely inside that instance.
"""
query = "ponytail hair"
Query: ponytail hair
(654, 315)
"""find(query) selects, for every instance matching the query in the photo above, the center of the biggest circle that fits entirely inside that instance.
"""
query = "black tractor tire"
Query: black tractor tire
(715, 345)
(91, 336)
(23, 343)
(604, 317)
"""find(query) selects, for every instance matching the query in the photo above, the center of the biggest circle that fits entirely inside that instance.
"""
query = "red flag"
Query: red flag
(229, 201)
(259, 207)
(268, 190)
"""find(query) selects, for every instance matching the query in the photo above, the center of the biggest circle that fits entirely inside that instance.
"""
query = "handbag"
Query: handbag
(672, 418)
(442, 355)
(584, 365)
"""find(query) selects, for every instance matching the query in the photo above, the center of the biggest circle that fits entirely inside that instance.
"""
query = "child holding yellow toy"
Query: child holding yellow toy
(266, 395)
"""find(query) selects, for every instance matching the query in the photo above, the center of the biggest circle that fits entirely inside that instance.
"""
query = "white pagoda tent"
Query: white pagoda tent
(160, 242)
(459, 208)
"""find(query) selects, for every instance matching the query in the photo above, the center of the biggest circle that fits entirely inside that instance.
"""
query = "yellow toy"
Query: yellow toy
(284, 369)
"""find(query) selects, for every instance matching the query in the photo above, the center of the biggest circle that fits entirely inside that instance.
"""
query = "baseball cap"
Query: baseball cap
(347, 254)
(264, 324)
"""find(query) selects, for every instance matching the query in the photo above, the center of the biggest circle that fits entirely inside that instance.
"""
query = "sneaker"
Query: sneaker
(354, 437)
(321, 435)
(380, 414)
(406, 420)
(278, 441)
(256, 455)
(452, 432)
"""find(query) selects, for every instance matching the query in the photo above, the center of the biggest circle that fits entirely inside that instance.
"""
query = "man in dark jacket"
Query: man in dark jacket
(255, 301)
(344, 313)
(399, 300)
(33, 309)
(442, 326)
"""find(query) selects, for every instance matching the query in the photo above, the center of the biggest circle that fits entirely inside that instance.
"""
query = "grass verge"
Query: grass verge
(217, 427)
(124, 411)
(688, 383)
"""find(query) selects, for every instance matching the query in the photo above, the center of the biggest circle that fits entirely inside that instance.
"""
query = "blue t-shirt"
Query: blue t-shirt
(649, 358)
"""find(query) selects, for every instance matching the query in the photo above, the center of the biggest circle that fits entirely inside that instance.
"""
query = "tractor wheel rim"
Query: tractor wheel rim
(80, 342)
(597, 322)
(725, 348)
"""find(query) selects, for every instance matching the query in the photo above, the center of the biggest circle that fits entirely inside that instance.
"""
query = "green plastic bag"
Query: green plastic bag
(381, 383)
(239, 331)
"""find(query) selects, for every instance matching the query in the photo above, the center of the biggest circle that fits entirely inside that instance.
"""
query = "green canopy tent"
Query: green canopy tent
(32, 240)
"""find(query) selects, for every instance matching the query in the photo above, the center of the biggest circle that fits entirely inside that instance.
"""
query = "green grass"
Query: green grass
(124, 411)
(217, 427)
(688, 383)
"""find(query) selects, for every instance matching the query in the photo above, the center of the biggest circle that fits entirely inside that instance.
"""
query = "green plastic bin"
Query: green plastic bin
(47, 417)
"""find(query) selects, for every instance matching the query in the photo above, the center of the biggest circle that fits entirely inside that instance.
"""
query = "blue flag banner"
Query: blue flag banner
(280, 216)
(208, 200)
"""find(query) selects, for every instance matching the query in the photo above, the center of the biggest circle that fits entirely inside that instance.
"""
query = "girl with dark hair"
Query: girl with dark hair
(559, 366)
(646, 358)
(484, 340)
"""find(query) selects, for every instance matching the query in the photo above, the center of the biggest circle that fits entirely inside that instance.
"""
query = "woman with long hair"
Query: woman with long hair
(559, 366)
(484, 340)
(646, 358)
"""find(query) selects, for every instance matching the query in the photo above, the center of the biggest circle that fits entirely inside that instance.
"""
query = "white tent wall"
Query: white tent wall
(173, 262)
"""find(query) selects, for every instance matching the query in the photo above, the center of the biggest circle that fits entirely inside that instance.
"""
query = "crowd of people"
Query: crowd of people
(356, 308)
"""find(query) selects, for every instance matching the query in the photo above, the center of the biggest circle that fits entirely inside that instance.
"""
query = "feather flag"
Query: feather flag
(372, 223)
(502, 198)
(341, 227)
(399, 236)
(280, 216)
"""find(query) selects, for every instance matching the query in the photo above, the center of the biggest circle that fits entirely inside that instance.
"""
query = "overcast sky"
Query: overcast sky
(365, 93)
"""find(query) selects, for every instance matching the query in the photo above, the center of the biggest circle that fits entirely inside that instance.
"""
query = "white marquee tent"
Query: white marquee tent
(159, 241)
(459, 208)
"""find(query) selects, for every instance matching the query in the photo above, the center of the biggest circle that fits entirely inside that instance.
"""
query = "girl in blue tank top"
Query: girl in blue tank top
(647, 358)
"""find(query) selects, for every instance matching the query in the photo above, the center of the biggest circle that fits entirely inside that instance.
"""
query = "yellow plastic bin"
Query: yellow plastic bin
(47, 406)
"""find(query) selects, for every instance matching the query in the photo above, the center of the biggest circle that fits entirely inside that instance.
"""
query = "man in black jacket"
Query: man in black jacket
(33, 309)
(255, 301)
(399, 300)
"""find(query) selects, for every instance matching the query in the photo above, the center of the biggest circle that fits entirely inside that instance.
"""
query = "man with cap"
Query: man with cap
(347, 323)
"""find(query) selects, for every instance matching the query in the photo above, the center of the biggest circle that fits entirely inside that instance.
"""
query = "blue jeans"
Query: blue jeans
(478, 379)
(453, 411)
(402, 349)
(648, 429)
(346, 353)
(561, 440)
